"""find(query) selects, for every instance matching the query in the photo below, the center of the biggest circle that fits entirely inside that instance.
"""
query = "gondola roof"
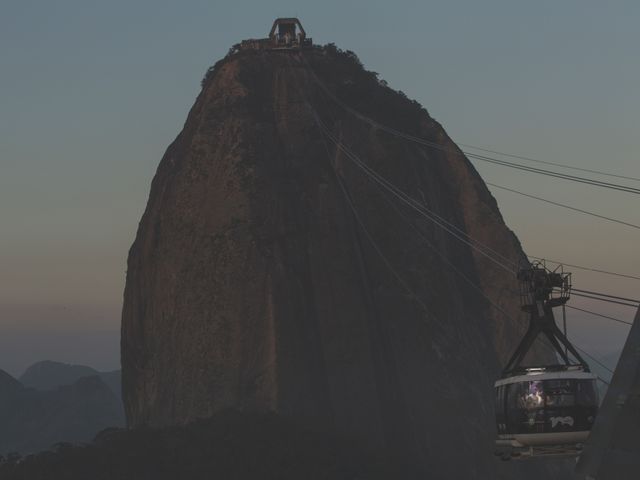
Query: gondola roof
(542, 375)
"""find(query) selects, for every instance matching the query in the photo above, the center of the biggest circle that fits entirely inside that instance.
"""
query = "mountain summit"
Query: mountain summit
(271, 272)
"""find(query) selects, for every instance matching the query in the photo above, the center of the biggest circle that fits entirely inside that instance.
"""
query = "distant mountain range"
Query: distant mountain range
(54, 402)
(48, 375)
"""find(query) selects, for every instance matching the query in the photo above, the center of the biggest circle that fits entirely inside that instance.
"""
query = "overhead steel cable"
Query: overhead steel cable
(497, 307)
(438, 220)
(631, 305)
(388, 263)
(606, 295)
(412, 203)
(441, 255)
(594, 359)
(455, 269)
(364, 166)
(435, 145)
(448, 227)
(458, 151)
(374, 244)
(478, 247)
(381, 254)
(550, 173)
(359, 220)
(589, 269)
(390, 188)
(561, 165)
(599, 315)
(586, 212)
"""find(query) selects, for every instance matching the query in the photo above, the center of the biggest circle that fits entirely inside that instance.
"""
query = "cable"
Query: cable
(484, 158)
(599, 315)
(381, 182)
(561, 165)
(397, 275)
(604, 300)
(410, 201)
(550, 173)
(594, 359)
(606, 295)
(378, 250)
(441, 147)
(590, 269)
(444, 258)
(387, 263)
(392, 189)
(471, 283)
(564, 206)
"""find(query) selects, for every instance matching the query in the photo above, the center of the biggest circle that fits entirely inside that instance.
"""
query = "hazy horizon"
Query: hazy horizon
(95, 92)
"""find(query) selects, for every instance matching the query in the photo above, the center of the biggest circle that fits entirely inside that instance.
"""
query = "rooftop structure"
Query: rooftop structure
(285, 34)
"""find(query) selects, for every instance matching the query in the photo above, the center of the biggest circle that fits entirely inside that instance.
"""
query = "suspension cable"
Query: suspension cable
(441, 147)
(378, 250)
(549, 173)
(457, 151)
(424, 211)
(380, 185)
(420, 209)
(594, 359)
(456, 270)
(604, 300)
(586, 212)
(561, 165)
(606, 295)
(599, 315)
(356, 160)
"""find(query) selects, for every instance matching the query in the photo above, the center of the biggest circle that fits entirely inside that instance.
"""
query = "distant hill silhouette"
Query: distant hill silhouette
(33, 420)
(229, 445)
(114, 381)
(49, 375)
(8, 384)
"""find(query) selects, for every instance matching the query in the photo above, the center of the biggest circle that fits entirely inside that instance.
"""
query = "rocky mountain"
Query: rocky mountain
(33, 420)
(270, 273)
(49, 375)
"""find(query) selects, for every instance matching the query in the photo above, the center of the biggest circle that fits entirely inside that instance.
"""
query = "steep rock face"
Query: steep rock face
(253, 284)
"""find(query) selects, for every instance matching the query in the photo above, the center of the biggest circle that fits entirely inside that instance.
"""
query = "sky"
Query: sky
(92, 93)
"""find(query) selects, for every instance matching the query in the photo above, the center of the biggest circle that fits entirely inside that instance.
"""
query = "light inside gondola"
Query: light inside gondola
(545, 404)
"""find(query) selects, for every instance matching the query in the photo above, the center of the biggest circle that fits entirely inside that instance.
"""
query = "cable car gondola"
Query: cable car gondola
(544, 409)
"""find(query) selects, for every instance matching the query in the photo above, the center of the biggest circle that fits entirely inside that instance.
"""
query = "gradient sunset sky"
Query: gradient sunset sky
(94, 91)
